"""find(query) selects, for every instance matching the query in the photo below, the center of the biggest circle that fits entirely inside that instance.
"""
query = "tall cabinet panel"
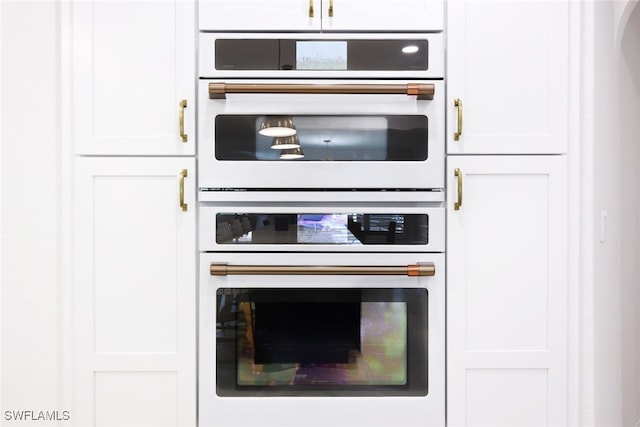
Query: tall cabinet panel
(133, 73)
(507, 291)
(508, 76)
(134, 292)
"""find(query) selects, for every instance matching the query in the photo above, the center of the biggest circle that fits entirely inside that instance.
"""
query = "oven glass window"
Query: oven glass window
(321, 342)
(321, 138)
(327, 229)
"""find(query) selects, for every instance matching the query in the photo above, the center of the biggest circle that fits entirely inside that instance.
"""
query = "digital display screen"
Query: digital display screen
(321, 55)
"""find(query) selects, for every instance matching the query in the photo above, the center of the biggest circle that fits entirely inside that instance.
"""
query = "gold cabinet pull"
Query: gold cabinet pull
(183, 175)
(457, 103)
(183, 105)
(412, 270)
(457, 205)
(330, 8)
(311, 9)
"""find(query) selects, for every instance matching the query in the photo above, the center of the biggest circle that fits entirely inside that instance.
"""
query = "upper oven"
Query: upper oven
(319, 134)
(321, 111)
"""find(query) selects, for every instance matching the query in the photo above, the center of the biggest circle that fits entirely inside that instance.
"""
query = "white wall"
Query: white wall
(30, 218)
(629, 125)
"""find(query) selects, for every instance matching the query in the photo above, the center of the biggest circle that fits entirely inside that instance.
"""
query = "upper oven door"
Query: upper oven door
(321, 55)
(340, 140)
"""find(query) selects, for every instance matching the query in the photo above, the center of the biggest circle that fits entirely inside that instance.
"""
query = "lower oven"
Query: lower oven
(326, 311)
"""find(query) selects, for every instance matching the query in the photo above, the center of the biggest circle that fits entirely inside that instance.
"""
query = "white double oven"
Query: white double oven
(321, 217)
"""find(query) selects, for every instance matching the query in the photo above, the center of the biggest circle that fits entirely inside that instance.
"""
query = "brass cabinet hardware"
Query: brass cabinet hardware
(457, 103)
(330, 8)
(218, 90)
(420, 269)
(457, 205)
(183, 105)
(311, 9)
(183, 175)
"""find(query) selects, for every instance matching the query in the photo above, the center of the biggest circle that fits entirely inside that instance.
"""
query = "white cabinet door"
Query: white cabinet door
(260, 15)
(134, 292)
(326, 15)
(507, 292)
(133, 63)
(508, 64)
(382, 15)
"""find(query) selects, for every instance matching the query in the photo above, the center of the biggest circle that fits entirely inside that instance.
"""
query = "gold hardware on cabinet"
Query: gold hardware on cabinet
(183, 175)
(457, 103)
(311, 9)
(219, 90)
(420, 269)
(457, 205)
(330, 8)
(183, 105)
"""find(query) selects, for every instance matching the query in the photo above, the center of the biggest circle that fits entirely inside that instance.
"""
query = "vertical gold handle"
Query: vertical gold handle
(183, 105)
(457, 205)
(330, 8)
(311, 9)
(183, 175)
(458, 104)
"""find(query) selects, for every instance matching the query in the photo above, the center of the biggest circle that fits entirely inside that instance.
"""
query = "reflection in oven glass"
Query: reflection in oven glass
(328, 229)
(381, 358)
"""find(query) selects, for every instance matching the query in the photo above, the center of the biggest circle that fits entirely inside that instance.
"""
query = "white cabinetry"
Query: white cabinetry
(133, 63)
(507, 291)
(134, 292)
(326, 15)
(508, 64)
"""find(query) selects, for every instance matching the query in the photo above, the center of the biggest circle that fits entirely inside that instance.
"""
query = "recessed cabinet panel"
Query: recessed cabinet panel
(508, 65)
(326, 15)
(511, 397)
(128, 81)
(144, 399)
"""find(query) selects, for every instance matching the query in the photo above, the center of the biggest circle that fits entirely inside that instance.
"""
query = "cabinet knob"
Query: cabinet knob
(311, 14)
(330, 8)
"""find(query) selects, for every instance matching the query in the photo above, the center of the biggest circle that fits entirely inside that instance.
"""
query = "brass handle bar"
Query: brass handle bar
(183, 105)
(219, 90)
(311, 13)
(458, 104)
(458, 174)
(330, 13)
(183, 205)
(421, 269)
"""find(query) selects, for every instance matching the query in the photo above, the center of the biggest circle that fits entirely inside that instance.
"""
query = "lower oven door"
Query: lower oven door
(319, 339)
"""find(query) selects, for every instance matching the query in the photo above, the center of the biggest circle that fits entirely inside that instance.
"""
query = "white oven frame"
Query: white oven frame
(213, 173)
(307, 411)
(208, 226)
(435, 71)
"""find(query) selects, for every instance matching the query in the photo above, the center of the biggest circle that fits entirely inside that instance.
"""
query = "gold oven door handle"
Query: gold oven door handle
(419, 269)
(183, 105)
(183, 175)
(458, 174)
(458, 104)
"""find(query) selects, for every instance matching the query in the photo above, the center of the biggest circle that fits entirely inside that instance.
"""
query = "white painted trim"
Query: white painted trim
(586, 222)
(573, 243)
(65, 176)
(1, 257)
